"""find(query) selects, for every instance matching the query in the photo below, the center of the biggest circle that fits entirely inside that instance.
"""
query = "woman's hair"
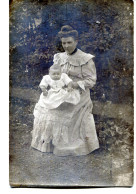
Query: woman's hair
(68, 31)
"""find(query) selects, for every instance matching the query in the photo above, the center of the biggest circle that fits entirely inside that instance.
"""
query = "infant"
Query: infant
(57, 89)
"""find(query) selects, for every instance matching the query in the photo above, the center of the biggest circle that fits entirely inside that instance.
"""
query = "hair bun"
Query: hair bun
(68, 31)
(66, 28)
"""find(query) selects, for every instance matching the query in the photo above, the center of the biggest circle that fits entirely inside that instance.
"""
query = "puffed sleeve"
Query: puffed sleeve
(44, 82)
(56, 58)
(89, 75)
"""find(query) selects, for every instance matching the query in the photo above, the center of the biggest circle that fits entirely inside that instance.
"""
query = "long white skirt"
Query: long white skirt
(66, 130)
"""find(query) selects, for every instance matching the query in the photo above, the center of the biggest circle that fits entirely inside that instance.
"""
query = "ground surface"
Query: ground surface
(29, 167)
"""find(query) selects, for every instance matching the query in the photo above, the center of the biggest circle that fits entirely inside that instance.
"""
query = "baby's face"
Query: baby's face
(55, 74)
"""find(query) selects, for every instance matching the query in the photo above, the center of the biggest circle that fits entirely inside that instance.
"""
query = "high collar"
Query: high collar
(73, 52)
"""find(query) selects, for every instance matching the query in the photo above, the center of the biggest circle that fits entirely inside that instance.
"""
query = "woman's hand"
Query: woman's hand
(73, 85)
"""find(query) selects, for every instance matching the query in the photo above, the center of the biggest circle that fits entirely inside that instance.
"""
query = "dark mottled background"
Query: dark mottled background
(106, 30)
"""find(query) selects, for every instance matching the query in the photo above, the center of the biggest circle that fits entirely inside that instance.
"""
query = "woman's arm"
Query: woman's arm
(89, 75)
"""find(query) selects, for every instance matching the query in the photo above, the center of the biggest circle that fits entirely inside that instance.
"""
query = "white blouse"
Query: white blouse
(79, 67)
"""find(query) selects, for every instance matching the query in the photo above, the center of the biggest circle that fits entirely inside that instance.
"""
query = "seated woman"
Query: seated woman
(71, 126)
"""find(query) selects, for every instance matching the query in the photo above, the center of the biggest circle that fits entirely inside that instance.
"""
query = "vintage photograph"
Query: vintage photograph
(71, 93)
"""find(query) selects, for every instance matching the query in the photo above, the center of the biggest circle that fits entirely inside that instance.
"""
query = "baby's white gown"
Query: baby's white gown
(58, 94)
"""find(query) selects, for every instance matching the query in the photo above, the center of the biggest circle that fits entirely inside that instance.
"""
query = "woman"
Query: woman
(72, 126)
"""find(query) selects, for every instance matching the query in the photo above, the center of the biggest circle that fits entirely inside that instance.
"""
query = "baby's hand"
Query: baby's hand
(45, 92)
(70, 88)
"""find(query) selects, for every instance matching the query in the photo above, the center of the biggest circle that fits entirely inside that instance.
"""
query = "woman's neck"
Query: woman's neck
(73, 52)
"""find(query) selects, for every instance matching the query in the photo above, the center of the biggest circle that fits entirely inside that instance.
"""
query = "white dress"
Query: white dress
(58, 93)
(69, 129)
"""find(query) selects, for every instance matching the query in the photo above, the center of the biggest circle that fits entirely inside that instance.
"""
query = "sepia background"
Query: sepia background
(105, 30)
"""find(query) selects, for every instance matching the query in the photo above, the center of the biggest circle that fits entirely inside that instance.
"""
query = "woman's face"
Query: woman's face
(69, 44)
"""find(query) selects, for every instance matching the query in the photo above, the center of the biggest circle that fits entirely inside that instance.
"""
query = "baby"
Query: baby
(56, 89)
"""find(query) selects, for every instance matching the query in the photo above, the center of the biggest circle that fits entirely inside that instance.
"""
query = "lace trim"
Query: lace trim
(78, 59)
(47, 131)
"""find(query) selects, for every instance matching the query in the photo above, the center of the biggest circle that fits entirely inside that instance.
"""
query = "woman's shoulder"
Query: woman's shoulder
(82, 54)
(77, 59)
(58, 57)
(82, 57)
